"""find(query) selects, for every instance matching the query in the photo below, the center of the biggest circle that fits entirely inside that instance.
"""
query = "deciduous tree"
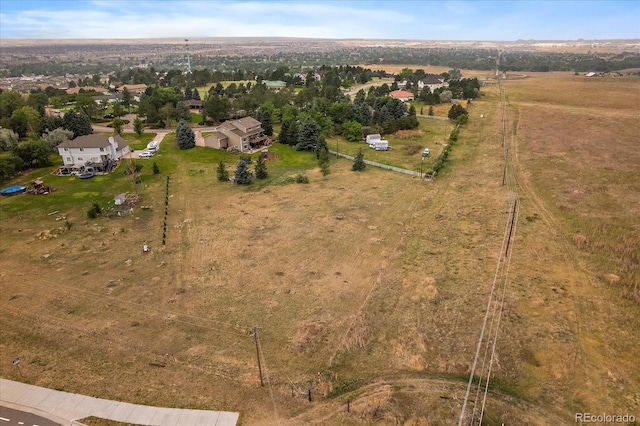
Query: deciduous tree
(352, 131)
(55, 137)
(117, 125)
(138, 126)
(25, 121)
(8, 139)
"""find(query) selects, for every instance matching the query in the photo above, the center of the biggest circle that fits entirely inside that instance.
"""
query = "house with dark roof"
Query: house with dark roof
(92, 153)
(432, 81)
(244, 135)
(194, 105)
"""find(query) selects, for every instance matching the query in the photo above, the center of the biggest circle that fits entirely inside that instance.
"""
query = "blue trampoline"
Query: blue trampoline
(12, 190)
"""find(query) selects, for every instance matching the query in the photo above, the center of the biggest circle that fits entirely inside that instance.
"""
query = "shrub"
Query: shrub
(94, 211)
(300, 178)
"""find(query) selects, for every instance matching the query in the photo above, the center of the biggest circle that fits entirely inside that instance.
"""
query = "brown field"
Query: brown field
(366, 288)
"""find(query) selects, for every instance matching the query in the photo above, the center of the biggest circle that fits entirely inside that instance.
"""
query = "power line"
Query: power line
(495, 308)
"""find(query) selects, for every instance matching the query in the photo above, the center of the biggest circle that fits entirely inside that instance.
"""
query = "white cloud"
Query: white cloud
(460, 19)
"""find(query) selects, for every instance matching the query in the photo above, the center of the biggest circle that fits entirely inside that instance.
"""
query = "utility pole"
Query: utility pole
(186, 47)
(255, 338)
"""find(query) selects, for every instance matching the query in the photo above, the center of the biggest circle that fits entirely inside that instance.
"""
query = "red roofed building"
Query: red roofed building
(403, 95)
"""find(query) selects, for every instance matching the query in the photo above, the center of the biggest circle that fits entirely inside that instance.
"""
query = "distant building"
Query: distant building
(194, 105)
(432, 81)
(403, 95)
(275, 85)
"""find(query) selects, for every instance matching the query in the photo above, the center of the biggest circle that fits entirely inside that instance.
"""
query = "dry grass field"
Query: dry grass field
(367, 289)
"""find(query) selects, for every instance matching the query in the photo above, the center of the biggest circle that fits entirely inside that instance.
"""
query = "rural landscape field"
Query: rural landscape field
(367, 291)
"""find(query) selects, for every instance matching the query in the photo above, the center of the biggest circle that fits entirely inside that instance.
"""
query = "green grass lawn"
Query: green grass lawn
(74, 193)
(138, 143)
(403, 152)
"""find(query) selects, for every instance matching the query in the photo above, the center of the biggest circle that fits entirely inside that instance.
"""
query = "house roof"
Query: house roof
(432, 79)
(275, 83)
(93, 141)
(216, 135)
(134, 87)
(193, 102)
(74, 90)
(242, 126)
(117, 96)
(401, 94)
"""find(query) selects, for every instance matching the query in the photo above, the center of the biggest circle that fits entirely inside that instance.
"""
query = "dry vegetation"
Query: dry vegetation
(367, 288)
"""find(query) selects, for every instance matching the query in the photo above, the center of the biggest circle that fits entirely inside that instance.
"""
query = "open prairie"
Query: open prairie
(368, 290)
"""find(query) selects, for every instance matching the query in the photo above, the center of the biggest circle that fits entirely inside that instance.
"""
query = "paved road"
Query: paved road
(10, 416)
(66, 407)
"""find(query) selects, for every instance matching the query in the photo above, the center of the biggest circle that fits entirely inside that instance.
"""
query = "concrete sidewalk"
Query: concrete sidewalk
(67, 407)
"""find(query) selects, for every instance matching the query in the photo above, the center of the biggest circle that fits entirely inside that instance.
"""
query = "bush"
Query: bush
(94, 211)
(300, 178)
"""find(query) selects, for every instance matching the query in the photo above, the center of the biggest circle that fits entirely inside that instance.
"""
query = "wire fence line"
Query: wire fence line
(381, 165)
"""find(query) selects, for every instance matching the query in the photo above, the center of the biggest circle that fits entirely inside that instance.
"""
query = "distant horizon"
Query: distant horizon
(196, 39)
(417, 20)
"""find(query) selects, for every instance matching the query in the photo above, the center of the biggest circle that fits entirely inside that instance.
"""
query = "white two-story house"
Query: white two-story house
(92, 153)
(432, 81)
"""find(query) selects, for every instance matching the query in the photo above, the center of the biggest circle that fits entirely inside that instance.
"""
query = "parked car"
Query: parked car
(145, 154)
(426, 152)
(108, 116)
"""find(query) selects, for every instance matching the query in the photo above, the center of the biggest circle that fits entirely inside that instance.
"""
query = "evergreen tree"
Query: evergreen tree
(308, 136)
(261, 168)
(264, 117)
(78, 122)
(359, 164)
(284, 132)
(156, 169)
(195, 95)
(243, 175)
(431, 110)
(456, 111)
(184, 136)
(323, 162)
(289, 132)
(221, 171)
(320, 146)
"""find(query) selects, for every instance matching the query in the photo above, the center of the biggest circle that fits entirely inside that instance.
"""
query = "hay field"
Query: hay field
(366, 288)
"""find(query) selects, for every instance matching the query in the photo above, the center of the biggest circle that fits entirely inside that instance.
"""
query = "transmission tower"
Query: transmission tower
(186, 48)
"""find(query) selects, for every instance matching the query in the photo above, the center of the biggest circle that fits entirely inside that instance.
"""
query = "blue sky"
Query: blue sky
(415, 20)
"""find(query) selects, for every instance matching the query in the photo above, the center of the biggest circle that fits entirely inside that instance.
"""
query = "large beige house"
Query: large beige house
(244, 135)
